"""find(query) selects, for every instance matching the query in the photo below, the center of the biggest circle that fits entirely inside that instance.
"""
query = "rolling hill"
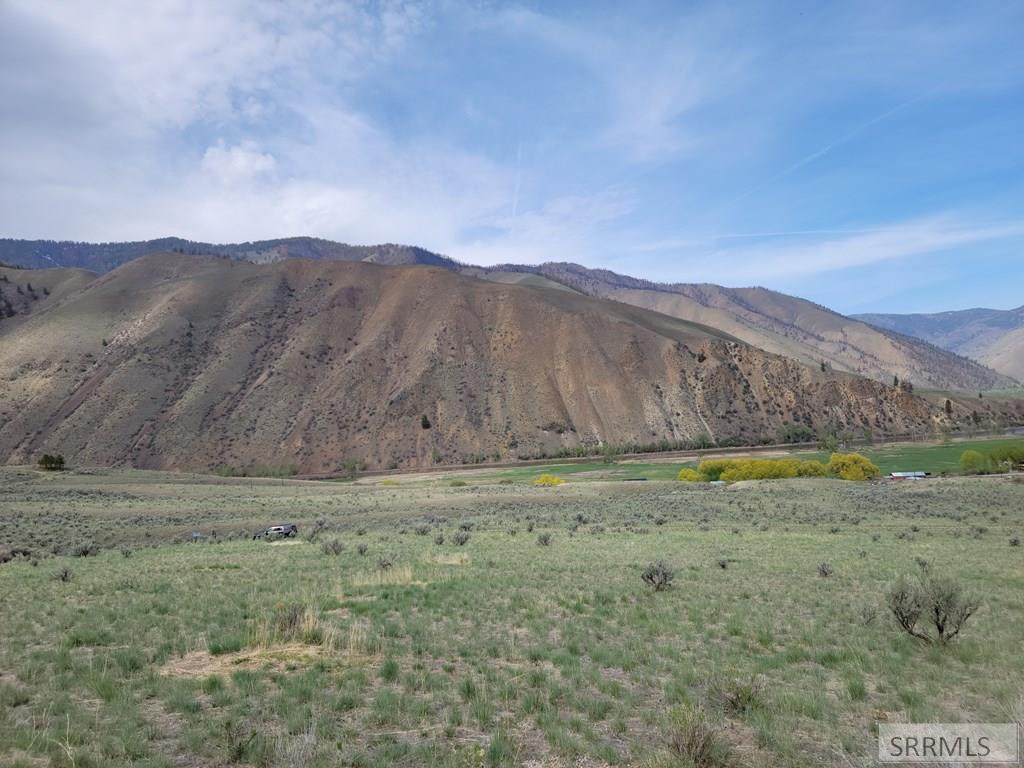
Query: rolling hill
(178, 361)
(993, 337)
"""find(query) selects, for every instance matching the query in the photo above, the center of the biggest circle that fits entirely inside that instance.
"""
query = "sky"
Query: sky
(867, 156)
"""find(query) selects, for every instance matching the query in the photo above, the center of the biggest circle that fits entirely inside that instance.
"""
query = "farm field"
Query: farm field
(490, 624)
(935, 458)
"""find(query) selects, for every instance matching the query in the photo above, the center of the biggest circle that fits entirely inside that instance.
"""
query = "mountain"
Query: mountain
(769, 320)
(785, 325)
(102, 257)
(994, 337)
(177, 361)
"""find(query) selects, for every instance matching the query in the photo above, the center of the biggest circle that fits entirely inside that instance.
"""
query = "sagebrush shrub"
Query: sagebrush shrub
(659, 575)
(332, 547)
(544, 539)
(937, 600)
(824, 569)
(460, 538)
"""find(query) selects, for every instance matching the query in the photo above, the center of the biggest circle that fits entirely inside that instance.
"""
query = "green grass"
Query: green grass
(499, 652)
(935, 458)
(927, 458)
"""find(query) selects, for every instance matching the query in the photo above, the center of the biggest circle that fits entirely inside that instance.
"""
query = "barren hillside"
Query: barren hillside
(790, 326)
(189, 362)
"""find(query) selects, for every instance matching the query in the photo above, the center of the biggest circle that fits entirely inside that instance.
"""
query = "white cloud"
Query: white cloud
(232, 165)
(787, 259)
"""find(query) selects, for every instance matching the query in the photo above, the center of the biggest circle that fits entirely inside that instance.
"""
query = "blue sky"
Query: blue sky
(866, 156)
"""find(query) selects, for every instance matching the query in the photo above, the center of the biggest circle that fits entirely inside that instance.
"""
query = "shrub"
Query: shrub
(422, 530)
(824, 569)
(732, 470)
(738, 695)
(712, 469)
(425, 422)
(460, 538)
(852, 466)
(362, 549)
(332, 547)
(689, 475)
(658, 575)
(64, 574)
(384, 563)
(692, 738)
(544, 539)
(548, 480)
(1015, 541)
(439, 539)
(457, 483)
(939, 600)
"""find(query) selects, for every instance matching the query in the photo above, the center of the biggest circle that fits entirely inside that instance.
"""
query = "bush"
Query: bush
(658, 575)
(64, 574)
(362, 549)
(937, 599)
(738, 695)
(689, 475)
(852, 466)
(712, 469)
(544, 539)
(332, 547)
(692, 738)
(548, 480)
(460, 538)
(732, 470)
(457, 483)
(824, 569)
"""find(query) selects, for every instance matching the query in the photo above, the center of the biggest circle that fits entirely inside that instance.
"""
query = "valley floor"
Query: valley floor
(402, 646)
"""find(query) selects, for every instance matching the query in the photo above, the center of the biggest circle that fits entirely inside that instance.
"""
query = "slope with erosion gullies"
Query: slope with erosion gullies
(183, 362)
(994, 337)
(790, 326)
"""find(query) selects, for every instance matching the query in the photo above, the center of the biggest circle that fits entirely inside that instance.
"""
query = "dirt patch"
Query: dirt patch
(277, 657)
(18, 757)
(457, 559)
(288, 543)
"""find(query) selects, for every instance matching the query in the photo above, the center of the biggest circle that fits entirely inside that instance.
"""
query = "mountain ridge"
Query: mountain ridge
(770, 320)
(182, 362)
(994, 337)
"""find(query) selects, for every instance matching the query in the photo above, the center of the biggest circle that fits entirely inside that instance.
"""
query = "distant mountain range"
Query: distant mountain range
(993, 337)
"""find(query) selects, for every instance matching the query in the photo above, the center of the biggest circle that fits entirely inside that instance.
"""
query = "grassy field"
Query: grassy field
(405, 647)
